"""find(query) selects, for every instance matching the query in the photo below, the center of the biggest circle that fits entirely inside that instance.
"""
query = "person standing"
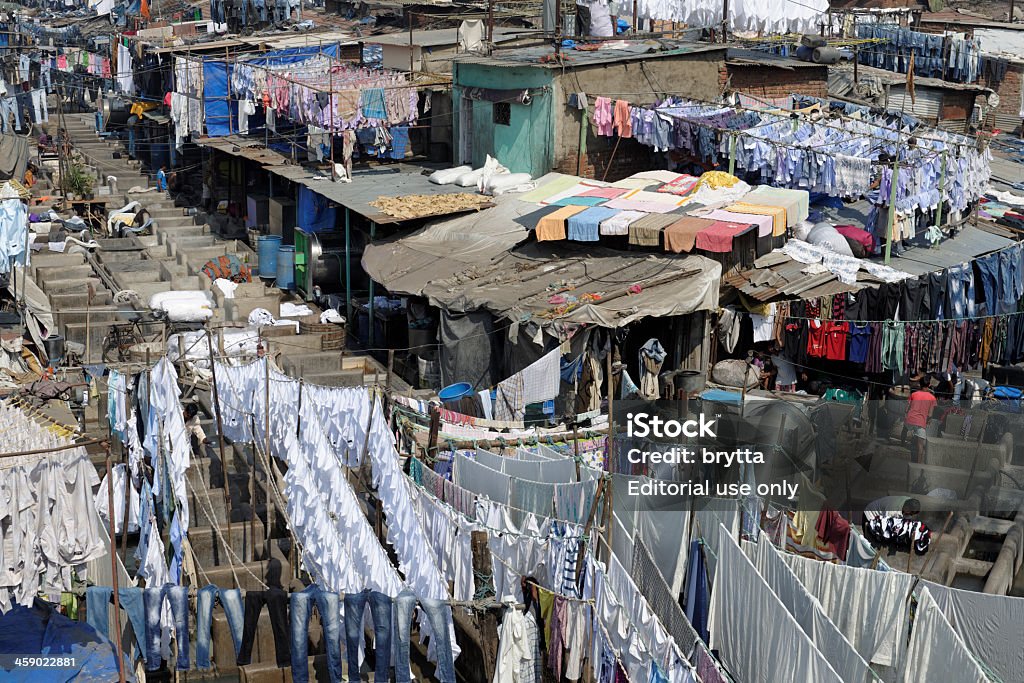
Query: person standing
(161, 179)
(919, 410)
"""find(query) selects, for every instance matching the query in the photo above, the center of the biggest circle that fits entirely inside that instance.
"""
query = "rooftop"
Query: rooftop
(370, 184)
(443, 36)
(742, 57)
(604, 53)
(955, 17)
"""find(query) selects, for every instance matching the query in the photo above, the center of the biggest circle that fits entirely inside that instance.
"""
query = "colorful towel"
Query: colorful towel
(763, 223)
(777, 213)
(681, 235)
(718, 237)
(583, 227)
(795, 202)
(619, 223)
(550, 188)
(552, 226)
(681, 185)
(646, 232)
(644, 200)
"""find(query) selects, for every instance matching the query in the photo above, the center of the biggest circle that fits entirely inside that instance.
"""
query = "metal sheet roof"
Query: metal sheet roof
(397, 180)
(244, 148)
(533, 56)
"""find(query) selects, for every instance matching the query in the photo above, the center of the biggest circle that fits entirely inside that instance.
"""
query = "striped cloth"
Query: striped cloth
(646, 232)
(777, 213)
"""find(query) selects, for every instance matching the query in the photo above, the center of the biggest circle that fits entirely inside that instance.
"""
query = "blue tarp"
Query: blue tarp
(219, 122)
(41, 630)
(315, 213)
(293, 55)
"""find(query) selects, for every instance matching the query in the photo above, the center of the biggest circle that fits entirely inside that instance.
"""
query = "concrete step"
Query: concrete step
(317, 363)
(208, 542)
(73, 286)
(269, 673)
(45, 275)
(79, 300)
(270, 572)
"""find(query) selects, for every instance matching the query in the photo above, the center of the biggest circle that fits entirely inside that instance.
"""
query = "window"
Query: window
(502, 114)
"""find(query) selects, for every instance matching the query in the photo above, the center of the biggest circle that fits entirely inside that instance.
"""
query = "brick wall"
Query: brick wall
(1009, 97)
(770, 81)
(630, 157)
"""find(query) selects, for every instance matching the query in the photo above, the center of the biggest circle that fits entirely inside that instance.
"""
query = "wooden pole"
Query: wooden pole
(608, 522)
(220, 434)
(602, 488)
(483, 584)
(113, 566)
(435, 426)
(391, 369)
(411, 49)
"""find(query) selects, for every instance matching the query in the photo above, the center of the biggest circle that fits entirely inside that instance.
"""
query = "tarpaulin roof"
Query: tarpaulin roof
(568, 283)
(444, 248)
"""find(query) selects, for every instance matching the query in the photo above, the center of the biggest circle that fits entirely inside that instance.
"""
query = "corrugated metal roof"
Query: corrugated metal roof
(776, 276)
(544, 56)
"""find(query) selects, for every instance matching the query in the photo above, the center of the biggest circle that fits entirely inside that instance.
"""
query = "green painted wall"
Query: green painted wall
(525, 145)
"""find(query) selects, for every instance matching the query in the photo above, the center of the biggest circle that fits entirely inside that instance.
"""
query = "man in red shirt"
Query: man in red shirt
(920, 407)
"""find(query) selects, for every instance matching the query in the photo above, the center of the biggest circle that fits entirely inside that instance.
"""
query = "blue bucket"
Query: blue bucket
(286, 268)
(267, 247)
(455, 392)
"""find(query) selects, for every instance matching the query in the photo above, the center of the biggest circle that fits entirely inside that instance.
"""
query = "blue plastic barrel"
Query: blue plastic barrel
(455, 392)
(267, 247)
(286, 267)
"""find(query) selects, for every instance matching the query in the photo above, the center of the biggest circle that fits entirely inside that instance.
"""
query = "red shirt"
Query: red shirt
(921, 403)
(815, 339)
(835, 340)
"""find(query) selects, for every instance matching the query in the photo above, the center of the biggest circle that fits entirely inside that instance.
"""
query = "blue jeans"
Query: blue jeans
(405, 605)
(231, 600)
(380, 611)
(97, 614)
(988, 268)
(329, 606)
(438, 615)
(131, 603)
(153, 599)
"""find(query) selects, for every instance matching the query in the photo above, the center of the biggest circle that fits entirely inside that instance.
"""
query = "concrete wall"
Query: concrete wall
(524, 146)
(639, 82)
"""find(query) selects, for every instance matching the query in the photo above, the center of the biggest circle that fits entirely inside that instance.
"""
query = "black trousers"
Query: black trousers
(276, 601)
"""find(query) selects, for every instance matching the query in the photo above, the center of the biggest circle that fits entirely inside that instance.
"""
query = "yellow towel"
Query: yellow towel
(777, 213)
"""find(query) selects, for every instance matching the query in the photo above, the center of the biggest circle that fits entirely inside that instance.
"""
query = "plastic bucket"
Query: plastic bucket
(455, 392)
(267, 247)
(285, 268)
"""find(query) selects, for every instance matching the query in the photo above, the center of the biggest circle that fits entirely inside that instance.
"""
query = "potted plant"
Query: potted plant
(77, 181)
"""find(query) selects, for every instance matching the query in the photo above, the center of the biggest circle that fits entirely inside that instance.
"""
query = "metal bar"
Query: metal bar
(370, 307)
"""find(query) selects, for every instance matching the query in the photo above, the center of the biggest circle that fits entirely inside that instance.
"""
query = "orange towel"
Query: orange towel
(552, 226)
(623, 124)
